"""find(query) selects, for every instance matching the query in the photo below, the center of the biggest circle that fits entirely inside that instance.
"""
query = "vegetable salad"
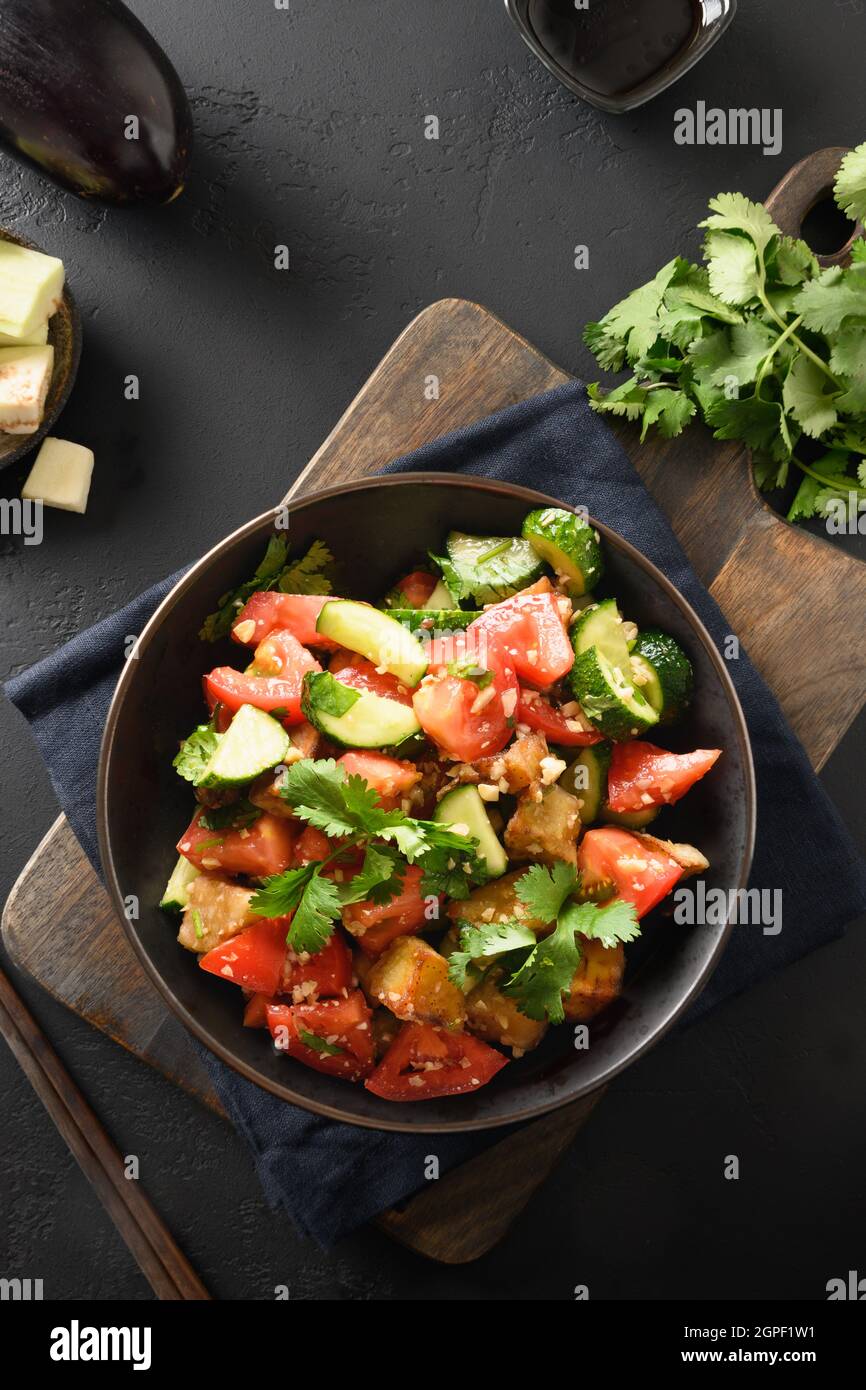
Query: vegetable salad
(421, 829)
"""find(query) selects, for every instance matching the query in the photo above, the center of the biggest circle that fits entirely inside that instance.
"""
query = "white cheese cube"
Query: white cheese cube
(34, 339)
(61, 475)
(25, 375)
(31, 287)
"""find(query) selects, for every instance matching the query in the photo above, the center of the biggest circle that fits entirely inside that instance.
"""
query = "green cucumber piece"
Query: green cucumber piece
(355, 718)
(601, 626)
(441, 597)
(667, 673)
(608, 698)
(586, 778)
(253, 743)
(176, 894)
(376, 635)
(429, 620)
(463, 806)
(489, 568)
(568, 544)
(629, 820)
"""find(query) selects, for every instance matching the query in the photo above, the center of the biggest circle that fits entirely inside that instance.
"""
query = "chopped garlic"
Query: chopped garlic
(551, 768)
(61, 475)
(245, 631)
(488, 791)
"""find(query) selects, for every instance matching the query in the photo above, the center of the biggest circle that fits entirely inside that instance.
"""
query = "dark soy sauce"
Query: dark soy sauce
(614, 46)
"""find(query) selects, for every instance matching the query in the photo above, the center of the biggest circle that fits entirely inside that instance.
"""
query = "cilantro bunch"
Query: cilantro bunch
(536, 973)
(759, 342)
(347, 809)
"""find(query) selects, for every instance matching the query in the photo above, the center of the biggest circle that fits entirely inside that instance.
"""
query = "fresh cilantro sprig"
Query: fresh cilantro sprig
(759, 342)
(196, 752)
(539, 971)
(347, 809)
(306, 575)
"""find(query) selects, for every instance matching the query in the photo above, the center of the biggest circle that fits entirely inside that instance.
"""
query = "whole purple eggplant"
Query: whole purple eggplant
(90, 99)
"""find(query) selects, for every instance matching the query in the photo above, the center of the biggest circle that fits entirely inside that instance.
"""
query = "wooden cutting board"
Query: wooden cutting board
(793, 600)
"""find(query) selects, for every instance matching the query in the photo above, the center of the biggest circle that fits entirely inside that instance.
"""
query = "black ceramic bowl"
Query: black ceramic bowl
(378, 528)
(64, 335)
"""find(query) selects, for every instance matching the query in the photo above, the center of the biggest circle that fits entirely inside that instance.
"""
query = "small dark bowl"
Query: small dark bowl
(380, 526)
(64, 335)
(711, 21)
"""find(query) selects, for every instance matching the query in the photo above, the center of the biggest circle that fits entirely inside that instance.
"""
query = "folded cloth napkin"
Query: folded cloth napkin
(332, 1177)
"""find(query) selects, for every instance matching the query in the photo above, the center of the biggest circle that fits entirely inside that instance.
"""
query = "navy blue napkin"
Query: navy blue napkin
(330, 1177)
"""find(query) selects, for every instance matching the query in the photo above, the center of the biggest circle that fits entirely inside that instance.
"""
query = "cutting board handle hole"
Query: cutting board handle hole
(826, 228)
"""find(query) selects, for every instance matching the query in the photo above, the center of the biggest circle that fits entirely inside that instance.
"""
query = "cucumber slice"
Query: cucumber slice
(489, 568)
(586, 778)
(629, 820)
(176, 894)
(601, 627)
(355, 718)
(440, 598)
(428, 620)
(253, 743)
(665, 672)
(569, 545)
(464, 807)
(608, 698)
(361, 628)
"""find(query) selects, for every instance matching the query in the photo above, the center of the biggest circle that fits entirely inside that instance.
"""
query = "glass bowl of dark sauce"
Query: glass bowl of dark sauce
(617, 54)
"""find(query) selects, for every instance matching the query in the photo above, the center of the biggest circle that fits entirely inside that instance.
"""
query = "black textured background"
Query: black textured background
(310, 132)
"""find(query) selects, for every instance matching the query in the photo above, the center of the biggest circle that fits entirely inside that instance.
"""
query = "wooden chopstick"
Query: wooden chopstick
(159, 1258)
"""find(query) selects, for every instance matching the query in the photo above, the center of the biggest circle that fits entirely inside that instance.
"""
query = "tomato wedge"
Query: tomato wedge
(416, 587)
(268, 692)
(356, 671)
(423, 1062)
(375, 925)
(312, 847)
(642, 775)
(255, 1013)
(253, 959)
(640, 874)
(531, 629)
(464, 720)
(538, 713)
(339, 1040)
(297, 613)
(266, 847)
(392, 778)
(330, 970)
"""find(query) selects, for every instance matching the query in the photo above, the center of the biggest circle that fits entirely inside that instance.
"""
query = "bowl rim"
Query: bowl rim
(282, 1090)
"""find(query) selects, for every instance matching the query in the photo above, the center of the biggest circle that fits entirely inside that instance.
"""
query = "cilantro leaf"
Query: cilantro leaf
(669, 410)
(634, 322)
(733, 267)
(609, 923)
(318, 908)
(734, 212)
(485, 940)
(832, 468)
(280, 894)
(850, 184)
(545, 890)
(378, 879)
(733, 353)
(196, 752)
(315, 790)
(834, 296)
(308, 575)
(806, 396)
(327, 694)
(538, 985)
